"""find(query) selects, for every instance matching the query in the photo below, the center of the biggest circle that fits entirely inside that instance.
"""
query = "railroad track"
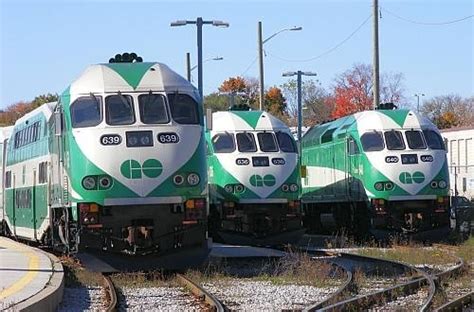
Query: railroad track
(458, 304)
(366, 301)
(111, 294)
(199, 292)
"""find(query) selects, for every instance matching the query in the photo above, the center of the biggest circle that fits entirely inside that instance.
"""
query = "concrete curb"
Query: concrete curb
(49, 298)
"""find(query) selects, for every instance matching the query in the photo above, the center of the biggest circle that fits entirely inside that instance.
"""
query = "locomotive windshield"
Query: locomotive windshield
(86, 112)
(119, 110)
(267, 142)
(246, 142)
(433, 140)
(415, 139)
(223, 143)
(394, 140)
(286, 143)
(372, 141)
(183, 109)
(153, 109)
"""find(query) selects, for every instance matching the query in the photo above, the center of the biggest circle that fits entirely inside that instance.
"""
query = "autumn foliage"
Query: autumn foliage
(17, 110)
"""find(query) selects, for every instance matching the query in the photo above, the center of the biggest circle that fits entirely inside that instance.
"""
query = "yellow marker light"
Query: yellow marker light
(440, 199)
(190, 204)
(303, 171)
(93, 208)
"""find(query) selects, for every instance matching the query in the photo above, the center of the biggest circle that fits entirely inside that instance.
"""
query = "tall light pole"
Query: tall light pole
(260, 43)
(189, 69)
(376, 79)
(298, 74)
(199, 22)
(418, 101)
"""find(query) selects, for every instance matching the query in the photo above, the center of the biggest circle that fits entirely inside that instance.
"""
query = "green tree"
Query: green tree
(447, 111)
(216, 102)
(316, 106)
(44, 98)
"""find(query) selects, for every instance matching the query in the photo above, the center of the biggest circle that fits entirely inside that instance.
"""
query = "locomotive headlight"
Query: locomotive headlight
(293, 187)
(178, 179)
(379, 186)
(89, 183)
(442, 184)
(434, 184)
(132, 141)
(285, 188)
(105, 182)
(388, 186)
(239, 188)
(229, 188)
(193, 179)
(144, 140)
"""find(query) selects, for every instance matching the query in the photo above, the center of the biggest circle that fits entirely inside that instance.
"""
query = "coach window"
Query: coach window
(267, 142)
(372, 141)
(223, 143)
(433, 140)
(119, 110)
(153, 109)
(286, 143)
(246, 142)
(394, 140)
(352, 147)
(184, 109)
(86, 112)
(415, 139)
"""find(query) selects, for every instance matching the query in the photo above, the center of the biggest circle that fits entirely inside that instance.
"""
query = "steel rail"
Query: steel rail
(111, 294)
(458, 304)
(202, 294)
(338, 294)
(374, 298)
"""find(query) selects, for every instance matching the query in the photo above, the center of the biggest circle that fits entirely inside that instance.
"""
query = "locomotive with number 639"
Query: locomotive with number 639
(118, 164)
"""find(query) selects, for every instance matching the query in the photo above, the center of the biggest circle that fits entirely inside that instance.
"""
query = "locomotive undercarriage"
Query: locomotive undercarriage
(131, 230)
(357, 218)
(261, 224)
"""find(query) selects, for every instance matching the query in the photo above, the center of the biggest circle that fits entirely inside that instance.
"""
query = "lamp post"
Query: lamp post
(261, 42)
(189, 69)
(418, 101)
(199, 22)
(298, 74)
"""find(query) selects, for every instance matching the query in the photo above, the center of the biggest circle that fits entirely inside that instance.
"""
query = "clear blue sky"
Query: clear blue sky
(45, 45)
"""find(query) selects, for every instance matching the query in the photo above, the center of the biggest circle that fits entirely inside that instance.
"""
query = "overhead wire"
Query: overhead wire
(327, 51)
(427, 23)
(248, 67)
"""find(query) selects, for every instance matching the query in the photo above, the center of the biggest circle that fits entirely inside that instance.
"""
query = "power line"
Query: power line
(248, 67)
(427, 23)
(327, 51)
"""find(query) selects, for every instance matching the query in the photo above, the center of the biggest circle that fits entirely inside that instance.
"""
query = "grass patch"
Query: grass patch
(466, 250)
(294, 269)
(143, 279)
(410, 254)
(76, 276)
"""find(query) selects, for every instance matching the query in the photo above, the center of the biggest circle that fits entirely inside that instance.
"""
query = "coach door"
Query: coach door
(353, 164)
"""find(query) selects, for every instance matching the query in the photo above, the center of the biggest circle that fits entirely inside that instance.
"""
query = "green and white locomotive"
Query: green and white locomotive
(118, 164)
(253, 179)
(380, 170)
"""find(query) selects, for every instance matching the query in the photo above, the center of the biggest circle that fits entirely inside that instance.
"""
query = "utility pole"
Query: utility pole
(188, 66)
(376, 80)
(260, 65)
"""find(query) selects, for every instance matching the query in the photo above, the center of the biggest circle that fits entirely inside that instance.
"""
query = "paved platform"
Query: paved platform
(235, 251)
(29, 278)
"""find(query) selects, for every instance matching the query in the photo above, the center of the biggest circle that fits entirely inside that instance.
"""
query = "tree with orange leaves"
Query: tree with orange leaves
(353, 90)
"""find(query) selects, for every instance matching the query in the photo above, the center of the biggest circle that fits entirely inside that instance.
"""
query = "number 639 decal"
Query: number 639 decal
(168, 137)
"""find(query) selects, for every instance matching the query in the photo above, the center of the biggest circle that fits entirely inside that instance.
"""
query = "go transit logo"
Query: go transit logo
(416, 177)
(131, 169)
(259, 181)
